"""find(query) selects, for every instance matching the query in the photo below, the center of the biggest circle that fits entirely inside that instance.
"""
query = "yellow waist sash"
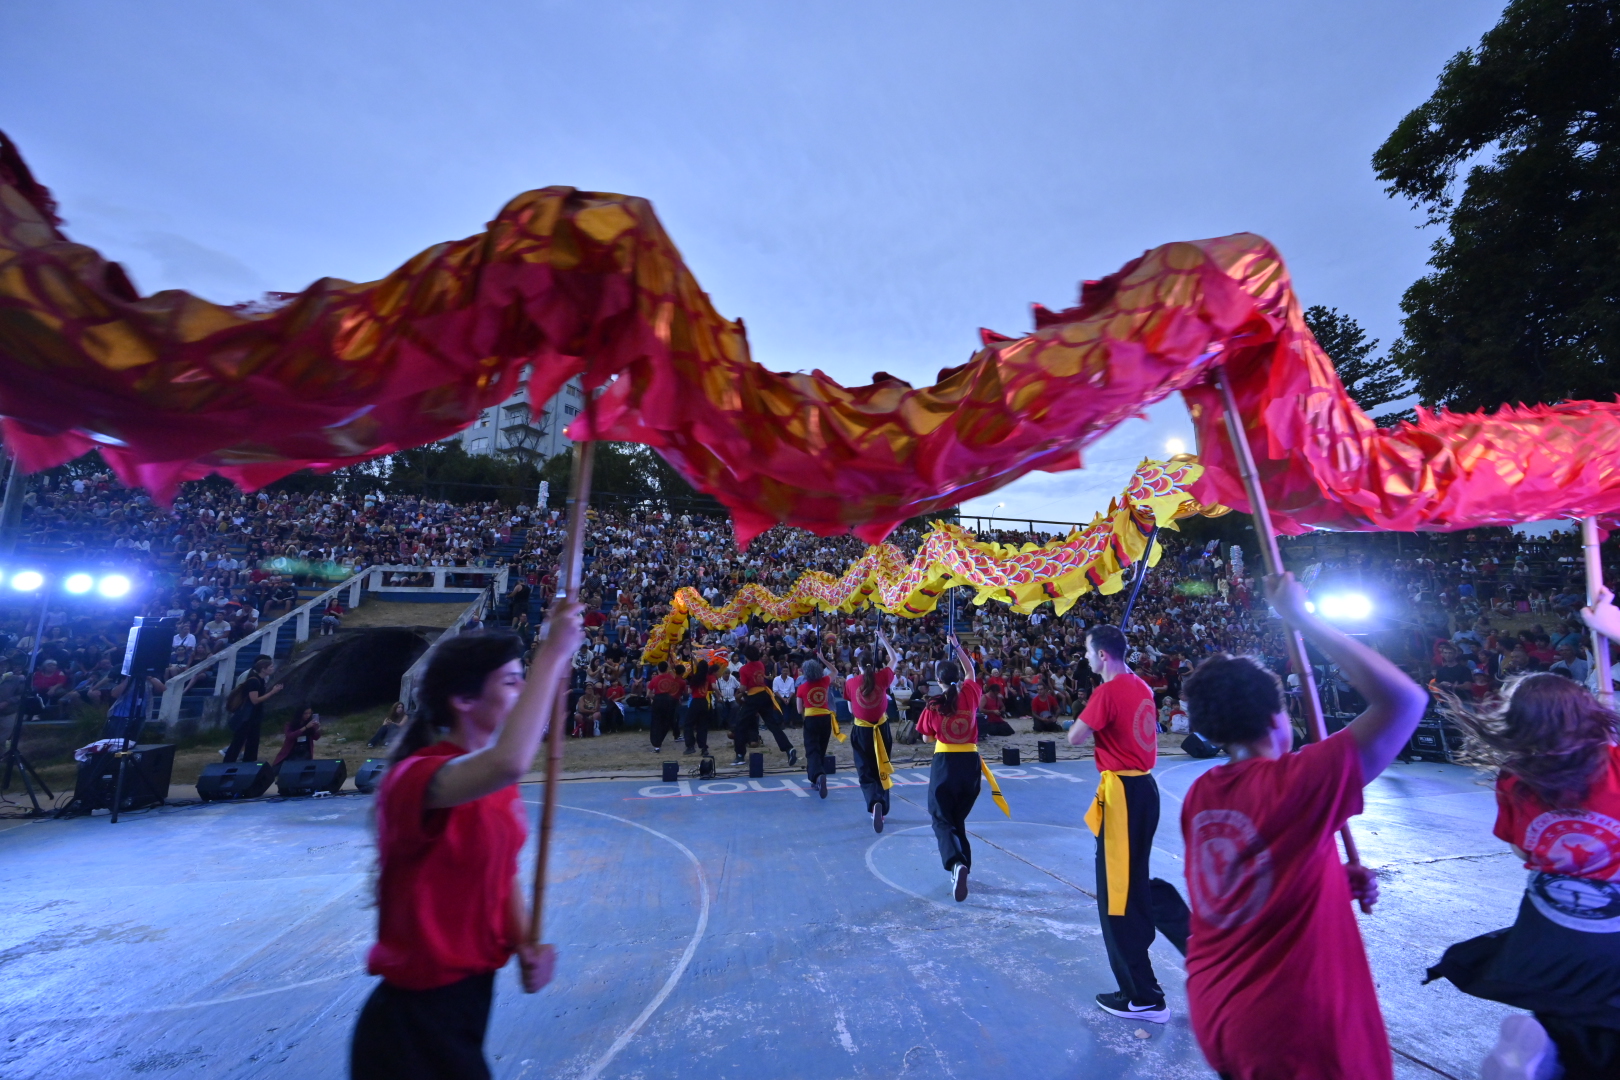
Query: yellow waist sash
(1108, 812)
(962, 748)
(885, 770)
(838, 732)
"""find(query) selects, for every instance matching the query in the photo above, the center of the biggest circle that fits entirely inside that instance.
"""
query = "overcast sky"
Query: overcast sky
(865, 183)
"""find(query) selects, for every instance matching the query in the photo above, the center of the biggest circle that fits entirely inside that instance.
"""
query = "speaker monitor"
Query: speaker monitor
(1046, 751)
(370, 774)
(1195, 745)
(705, 767)
(147, 771)
(223, 781)
(150, 641)
(829, 764)
(1432, 742)
(756, 765)
(672, 772)
(303, 777)
(1011, 756)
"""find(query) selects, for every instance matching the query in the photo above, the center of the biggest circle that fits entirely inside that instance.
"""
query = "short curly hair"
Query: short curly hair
(1231, 699)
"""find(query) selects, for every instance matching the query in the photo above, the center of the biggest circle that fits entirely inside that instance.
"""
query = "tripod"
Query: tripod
(14, 756)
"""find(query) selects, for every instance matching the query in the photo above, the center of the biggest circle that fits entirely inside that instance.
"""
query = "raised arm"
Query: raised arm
(504, 761)
(894, 657)
(963, 660)
(1395, 703)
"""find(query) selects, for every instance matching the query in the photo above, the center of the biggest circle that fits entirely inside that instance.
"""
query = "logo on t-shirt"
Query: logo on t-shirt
(1147, 725)
(960, 728)
(1230, 874)
(1577, 903)
(816, 697)
(1579, 843)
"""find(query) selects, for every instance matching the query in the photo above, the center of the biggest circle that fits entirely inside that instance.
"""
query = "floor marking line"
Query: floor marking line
(686, 957)
(1419, 1061)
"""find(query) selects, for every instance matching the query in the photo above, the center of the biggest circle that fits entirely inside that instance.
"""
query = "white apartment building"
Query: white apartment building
(508, 429)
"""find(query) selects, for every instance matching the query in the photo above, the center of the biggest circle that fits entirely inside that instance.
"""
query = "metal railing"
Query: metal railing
(440, 575)
(407, 682)
(263, 639)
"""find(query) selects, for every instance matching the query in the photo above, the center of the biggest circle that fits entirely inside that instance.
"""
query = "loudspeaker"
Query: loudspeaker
(1010, 755)
(1433, 742)
(1046, 751)
(705, 767)
(756, 765)
(302, 777)
(1195, 745)
(150, 641)
(672, 772)
(370, 774)
(146, 779)
(234, 780)
(829, 764)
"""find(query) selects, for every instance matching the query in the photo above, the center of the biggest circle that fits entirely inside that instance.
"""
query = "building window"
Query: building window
(573, 391)
(569, 410)
(480, 446)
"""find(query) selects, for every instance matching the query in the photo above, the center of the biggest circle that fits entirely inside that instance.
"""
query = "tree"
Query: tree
(1371, 381)
(628, 473)
(1524, 300)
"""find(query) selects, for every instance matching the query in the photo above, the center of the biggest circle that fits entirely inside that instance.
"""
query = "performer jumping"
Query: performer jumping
(1558, 806)
(449, 910)
(758, 704)
(1277, 981)
(952, 720)
(871, 741)
(1123, 817)
(819, 723)
(665, 688)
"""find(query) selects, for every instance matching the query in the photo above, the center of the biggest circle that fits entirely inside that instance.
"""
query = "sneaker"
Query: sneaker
(1119, 1003)
(959, 877)
(690, 750)
(877, 817)
(656, 749)
(737, 761)
(793, 756)
(821, 783)
(1522, 1052)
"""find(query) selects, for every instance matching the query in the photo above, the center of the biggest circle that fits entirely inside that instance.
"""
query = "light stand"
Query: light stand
(14, 755)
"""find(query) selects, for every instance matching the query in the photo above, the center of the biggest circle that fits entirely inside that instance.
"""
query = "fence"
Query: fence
(442, 579)
(408, 681)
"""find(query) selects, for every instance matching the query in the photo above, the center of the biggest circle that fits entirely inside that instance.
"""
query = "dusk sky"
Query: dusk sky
(866, 184)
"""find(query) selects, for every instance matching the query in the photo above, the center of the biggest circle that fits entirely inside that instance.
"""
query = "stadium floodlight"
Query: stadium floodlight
(113, 586)
(1347, 607)
(27, 580)
(78, 583)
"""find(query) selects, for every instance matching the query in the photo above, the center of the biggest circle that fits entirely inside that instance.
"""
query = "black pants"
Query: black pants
(245, 742)
(423, 1034)
(866, 764)
(697, 724)
(663, 718)
(751, 711)
(817, 730)
(1128, 936)
(953, 788)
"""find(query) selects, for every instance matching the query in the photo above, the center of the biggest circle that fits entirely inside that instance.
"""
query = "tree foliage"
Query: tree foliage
(628, 473)
(1371, 381)
(1524, 300)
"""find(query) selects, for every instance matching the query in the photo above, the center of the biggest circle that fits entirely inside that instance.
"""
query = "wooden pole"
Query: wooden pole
(1315, 728)
(569, 576)
(1594, 585)
(1141, 576)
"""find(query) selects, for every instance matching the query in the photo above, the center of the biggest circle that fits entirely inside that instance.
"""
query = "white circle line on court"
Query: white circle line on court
(686, 957)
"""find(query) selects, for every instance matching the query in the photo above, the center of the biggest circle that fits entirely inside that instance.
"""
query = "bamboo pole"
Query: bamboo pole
(1594, 585)
(1315, 728)
(1141, 576)
(569, 575)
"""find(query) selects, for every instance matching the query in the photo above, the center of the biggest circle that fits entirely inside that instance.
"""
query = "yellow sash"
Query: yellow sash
(962, 748)
(838, 733)
(885, 770)
(1108, 812)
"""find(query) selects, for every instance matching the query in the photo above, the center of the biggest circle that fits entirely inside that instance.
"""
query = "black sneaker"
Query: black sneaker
(821, 782)
(793, 756)
(737, 761)
(1119, 1003)
(690, 750)
(959, 878)
(877, 817)
(656, 749)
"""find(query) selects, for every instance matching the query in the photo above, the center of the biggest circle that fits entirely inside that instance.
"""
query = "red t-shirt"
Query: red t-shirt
(752, 676)
(666, 682)
(46, 681)
(1581, 843)
(1121, 712)
(962, 726)
(444, 878)
(1277, 979)
(1045, 703)
(869, 709)
(813, 696)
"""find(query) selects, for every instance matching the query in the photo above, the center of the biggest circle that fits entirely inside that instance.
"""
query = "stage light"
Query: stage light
(1175, 446)
(78, 583)
(1310, 607)
(113, 586)
(1349, 607)
(27, 580)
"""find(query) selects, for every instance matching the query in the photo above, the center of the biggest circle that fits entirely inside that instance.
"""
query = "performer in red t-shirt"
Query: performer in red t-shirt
(816, 708)
(450, 912)
(871, 741)
(695, 729)
(1123, 817)
(1277, 980)
(952, 720)
(1558, 806)
(758, 704)
(666, 688)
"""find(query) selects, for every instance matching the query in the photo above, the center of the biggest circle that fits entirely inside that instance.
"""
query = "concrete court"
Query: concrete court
(737, 932)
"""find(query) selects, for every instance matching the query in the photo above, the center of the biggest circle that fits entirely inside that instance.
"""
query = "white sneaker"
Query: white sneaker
(959, 878)
(1522, 1052)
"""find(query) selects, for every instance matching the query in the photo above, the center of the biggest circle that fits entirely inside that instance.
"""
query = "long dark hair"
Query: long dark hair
(1546, 730)
(947, 672)
(457, 667)
(699, 679)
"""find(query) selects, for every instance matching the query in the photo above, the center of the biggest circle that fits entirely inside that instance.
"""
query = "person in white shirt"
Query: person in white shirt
(783, 686)
(728, 688)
